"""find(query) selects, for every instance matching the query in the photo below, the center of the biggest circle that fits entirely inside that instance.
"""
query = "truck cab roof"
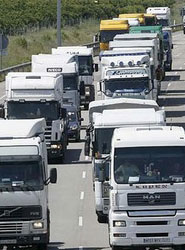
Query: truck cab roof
(73, 50)
(129, 44)
(150, 136)
(21, 128)
(129, 117)
(120, 103)
(136, 36)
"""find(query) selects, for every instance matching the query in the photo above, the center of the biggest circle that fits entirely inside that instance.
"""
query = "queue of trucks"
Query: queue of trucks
(41, 113)
(138, 161)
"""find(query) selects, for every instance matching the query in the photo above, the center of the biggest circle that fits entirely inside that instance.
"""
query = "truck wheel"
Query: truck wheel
(102, 218)
(86, 106)
(184, 31)
(43, 246)
(116, 248)
(78, 137)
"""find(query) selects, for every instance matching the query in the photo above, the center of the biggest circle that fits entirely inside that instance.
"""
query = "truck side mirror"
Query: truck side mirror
(53, 175)
(96, 67)
(82, 88)
(95, 38)
(87, 146)
(63, 113)
(2, 111)
(101, 177)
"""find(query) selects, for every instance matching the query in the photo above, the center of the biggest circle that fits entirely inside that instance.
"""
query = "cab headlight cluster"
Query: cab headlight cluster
(38, 225)
(181, 222)
(73, 127)
(119, 223)
(55, 146)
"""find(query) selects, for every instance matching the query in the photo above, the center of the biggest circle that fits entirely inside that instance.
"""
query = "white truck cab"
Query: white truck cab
(24, 211)
(163, 15)
(103, 128)
(126, 74)
(39, 95)
(147, 186)
(65, 65)
(104, 117)
(86, 69)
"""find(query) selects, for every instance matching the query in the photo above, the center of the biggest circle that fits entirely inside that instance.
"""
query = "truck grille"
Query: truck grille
(11, 228)
(20, 213)
(148, 199)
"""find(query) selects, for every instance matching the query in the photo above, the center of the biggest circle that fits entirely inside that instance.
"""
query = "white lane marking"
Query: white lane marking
(2, 97)
(80, 221)
(81, 195)
(81, 248)
(84, 174)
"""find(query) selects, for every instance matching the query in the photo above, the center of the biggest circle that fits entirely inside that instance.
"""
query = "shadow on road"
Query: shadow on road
(172, 78)
(72, 155)
(177, 70)
(175, 114)
(168, 101)
(56, 245)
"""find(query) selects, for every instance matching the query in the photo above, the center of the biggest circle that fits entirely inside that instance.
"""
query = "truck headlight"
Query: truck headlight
(74, 127)
(181, 222)
(55, 146)
(38, 225)
(120, 223)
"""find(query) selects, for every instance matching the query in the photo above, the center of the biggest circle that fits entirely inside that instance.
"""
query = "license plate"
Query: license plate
(10, 241)
(156, 240)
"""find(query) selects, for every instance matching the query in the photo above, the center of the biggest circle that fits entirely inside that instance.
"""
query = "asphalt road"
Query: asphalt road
(71, 200)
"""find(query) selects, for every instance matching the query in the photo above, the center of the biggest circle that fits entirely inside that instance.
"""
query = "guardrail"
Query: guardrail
(177, 26)
(26, 66)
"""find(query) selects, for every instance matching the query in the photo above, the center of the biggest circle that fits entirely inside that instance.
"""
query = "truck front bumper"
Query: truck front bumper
(23, 240)
(146, 231)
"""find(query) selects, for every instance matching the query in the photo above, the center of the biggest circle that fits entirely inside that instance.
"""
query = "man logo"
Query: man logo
(151, 198)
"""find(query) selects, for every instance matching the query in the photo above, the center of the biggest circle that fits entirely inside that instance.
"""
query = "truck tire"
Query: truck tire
(102, 218)
(86, 106)
(43, 246)
(78, 137)
(184, 30)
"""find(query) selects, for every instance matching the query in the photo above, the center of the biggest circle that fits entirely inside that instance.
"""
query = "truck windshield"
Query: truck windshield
(163, 22)
(128, 84)
(21, 176)
(70, 82)
(85, 65)
(108, 35)
(30, 110)
(149, 165)
(103, 140)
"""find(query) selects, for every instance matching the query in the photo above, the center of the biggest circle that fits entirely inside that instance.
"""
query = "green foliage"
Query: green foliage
(17, 15)
(22, 42)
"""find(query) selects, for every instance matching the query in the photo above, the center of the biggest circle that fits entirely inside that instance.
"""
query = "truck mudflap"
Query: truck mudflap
(23, 240)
